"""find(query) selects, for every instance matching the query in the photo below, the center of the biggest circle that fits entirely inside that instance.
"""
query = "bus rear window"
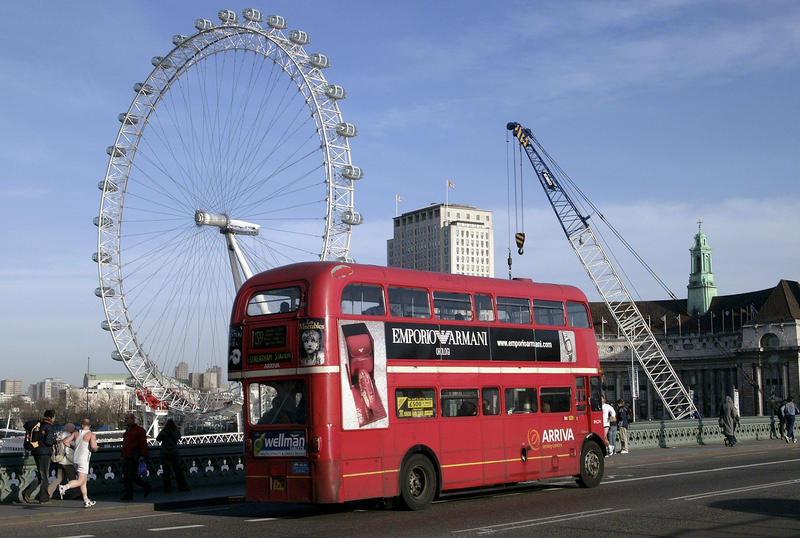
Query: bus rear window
(363, 300)
(577, 316)
(277, 301)
(277, 402)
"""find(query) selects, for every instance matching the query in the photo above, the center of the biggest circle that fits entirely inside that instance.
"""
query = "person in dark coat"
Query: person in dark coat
(42, 453)
(170, 460)
(134, 450)
(728, 419)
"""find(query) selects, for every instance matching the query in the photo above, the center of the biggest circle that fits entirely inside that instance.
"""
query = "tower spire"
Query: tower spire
(701, 288)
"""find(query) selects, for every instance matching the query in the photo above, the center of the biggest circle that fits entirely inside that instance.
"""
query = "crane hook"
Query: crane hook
(519, 237)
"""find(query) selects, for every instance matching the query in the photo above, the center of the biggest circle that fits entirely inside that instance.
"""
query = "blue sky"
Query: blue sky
(662, 111)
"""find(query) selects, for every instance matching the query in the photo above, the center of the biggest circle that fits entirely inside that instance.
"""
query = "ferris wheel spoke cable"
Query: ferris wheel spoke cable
(283, 188)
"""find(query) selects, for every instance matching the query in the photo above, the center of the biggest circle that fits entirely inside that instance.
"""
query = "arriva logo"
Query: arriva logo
(534, 440)
(557, 436)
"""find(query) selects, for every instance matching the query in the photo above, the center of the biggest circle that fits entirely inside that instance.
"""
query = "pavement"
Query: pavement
(109, 506)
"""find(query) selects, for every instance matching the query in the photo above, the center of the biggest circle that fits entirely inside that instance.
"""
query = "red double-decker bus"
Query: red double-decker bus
(366, 382)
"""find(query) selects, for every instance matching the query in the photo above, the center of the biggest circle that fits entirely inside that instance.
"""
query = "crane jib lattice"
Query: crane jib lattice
(612, 289)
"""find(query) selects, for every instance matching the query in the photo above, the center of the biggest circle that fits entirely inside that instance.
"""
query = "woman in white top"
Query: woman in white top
(85, 444)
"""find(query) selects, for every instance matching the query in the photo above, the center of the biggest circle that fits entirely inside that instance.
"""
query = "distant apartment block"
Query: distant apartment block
(11, 387)
(446, 238)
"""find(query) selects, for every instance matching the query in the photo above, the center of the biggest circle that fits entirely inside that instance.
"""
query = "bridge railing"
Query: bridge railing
(219, 458)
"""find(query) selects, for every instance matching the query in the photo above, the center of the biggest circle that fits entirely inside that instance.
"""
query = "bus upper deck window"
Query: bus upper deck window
(450, 305)
(277, 301)
(513, 310)
(577, 316)
(409, 303)
(548, 312)
(363, 300)
(483, 307)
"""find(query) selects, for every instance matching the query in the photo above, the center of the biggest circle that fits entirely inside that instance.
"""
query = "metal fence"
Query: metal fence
(219, 458)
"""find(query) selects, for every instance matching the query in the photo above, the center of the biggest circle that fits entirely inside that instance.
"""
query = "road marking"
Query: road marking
(646, 464)
(685, 473)
(107, 520)
(175, 528)
(80, 536)
(261, 519)
(696, 496)
(502, 527)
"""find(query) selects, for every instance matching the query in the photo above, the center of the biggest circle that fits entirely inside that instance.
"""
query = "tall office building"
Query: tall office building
(446, 238)
(182, 371)
(11, 386)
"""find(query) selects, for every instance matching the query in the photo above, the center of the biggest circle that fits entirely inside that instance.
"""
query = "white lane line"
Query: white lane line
(80, 536)
(107, 520)
(685, 473)
(513, 525)
(175, 528)
(696, 496)
(261, 519)
(649, 464)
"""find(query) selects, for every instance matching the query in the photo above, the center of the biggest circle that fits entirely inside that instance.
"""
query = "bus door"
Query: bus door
(560, 429)
(460, 438)
(522, 434)
(494, 467)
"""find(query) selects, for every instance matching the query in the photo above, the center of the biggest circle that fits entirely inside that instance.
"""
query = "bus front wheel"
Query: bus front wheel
(417, 482)
(591, 465)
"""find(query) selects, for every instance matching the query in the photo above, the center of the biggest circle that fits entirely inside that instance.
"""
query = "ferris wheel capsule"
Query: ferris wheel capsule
(101, 257)
(179, 39)
(299, 37)
(141, 87)
(160, 61)
(227, 16)
(276, 21)
(104, 291)
(320, 61)
(115, 152)
(352, 172)
(107, 186)
(203, 24)
(334, 91)
(117, 356)
(352, 217)
(105, 222)
(113, 326)
(347, 130)
(252, 15)
(128, 119)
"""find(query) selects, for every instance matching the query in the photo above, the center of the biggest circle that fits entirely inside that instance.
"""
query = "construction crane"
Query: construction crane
(606, 279)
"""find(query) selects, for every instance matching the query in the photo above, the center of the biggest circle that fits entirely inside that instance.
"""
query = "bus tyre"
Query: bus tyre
(591, 465)
(417, 482)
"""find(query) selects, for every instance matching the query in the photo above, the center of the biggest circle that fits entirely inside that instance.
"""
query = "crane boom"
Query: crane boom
(608, 283)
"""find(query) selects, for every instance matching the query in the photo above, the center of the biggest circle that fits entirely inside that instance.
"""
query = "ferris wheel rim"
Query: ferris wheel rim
(249, 36)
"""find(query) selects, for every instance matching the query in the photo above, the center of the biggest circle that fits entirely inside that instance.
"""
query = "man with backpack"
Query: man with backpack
(62, 458)
(39, 440)
(789, 412)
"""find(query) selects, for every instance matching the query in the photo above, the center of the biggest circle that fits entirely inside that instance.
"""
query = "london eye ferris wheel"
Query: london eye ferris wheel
(233, 157)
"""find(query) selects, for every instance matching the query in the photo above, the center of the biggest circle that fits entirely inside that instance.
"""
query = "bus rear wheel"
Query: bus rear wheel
(591, 465)
(417, 482)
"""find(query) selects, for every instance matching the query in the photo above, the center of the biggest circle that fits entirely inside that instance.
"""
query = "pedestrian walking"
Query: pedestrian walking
(609, 426)
(170, 460)
(134, 450)
(623, 420)
(789, 412)
(728, 420)
(62, 459)
(782, 419)
(85, 443)
(41, 453)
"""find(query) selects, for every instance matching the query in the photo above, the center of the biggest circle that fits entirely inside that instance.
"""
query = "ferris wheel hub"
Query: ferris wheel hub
(225, 223)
